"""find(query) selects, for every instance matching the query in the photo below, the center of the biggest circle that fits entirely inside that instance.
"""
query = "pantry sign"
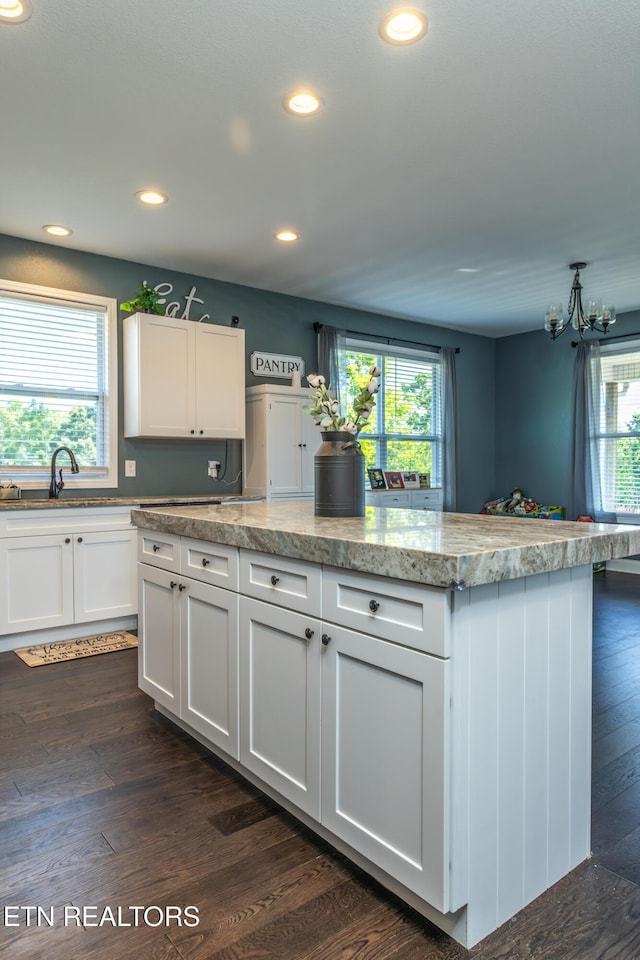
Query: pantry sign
(277, 365)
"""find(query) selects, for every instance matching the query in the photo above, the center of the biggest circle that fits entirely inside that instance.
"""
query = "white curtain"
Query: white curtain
(586, 480)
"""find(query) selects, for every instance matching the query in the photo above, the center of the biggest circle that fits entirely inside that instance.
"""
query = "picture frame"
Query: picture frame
(411, 480)
(425, 481)
(376, 479)
(394, 479)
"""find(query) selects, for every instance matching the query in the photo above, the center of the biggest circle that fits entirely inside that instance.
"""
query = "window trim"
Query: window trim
(630, 344)
(89, 477)
(353, 343)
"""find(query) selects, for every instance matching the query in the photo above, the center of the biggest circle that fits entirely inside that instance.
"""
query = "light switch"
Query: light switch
(129, 468)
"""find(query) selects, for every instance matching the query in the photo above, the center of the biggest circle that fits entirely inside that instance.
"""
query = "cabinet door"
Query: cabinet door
(310, 440)
(105, 575)
(36, 580)
(280, 700)
(284, 457)
(159, 369)
(209, 662)
(159, 636)
(385, 743)
(219, 381)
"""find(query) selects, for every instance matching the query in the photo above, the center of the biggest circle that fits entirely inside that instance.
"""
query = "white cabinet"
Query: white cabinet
(280, 701)
(385, 742)
(188, 649)
(282, 439)
(430, 499)
(64, 568)
(182, 379)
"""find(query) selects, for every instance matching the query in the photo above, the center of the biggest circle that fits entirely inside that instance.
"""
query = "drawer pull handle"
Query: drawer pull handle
(173, 584)
(205, 562)
(326, 639)
(374, 606)
(155, 548)
(182, 586)
(308, 633)
(274, 580)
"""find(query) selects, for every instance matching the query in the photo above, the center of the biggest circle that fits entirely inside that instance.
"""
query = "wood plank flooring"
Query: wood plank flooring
(104, 803)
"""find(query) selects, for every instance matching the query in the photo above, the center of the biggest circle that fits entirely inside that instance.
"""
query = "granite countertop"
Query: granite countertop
(441, 549)
(66, 502)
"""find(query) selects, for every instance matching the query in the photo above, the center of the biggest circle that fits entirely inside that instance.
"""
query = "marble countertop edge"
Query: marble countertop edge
(436, 549)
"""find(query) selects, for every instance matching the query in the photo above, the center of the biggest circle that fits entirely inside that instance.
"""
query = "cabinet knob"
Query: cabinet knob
(326, 639)
(192, 431)
(274, 580)
(201, 432)
(67, 539)
(79, 539)
(205, 562)
(304, 444)
(173, 584)
(155, 548)
(308, 633)
(182, 586)
(373, 605)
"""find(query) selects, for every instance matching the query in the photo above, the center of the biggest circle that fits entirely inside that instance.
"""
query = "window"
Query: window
(617, 427)
(58, 384)
(406, 429)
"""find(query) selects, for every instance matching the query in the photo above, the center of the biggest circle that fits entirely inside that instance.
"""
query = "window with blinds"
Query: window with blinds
(618, 427)
(405, 431)
(55, 382)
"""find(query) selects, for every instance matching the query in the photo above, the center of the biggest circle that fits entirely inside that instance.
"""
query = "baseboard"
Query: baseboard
(14, 641)
(624, 566)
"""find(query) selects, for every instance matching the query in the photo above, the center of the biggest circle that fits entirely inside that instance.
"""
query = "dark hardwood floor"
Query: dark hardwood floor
(103, 803)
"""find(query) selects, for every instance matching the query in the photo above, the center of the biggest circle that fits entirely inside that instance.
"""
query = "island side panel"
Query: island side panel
(521, 660)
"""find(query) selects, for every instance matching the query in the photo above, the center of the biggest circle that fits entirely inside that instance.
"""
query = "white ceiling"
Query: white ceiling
(507, 141)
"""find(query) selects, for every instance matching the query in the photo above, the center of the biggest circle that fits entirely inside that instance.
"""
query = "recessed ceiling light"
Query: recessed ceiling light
(57, 230)
(404, 26)
(152, 197)
(302, 103)
(287, 236)
(468, 270)
(14, 11)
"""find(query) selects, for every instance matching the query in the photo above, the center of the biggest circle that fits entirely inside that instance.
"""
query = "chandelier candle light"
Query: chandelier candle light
(339, 463)
(597, 316)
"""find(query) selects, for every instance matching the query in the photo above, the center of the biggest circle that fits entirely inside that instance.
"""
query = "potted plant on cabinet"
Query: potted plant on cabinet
(145, 301)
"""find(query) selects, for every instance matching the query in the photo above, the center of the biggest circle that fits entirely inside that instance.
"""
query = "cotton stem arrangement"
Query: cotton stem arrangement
(326, 409)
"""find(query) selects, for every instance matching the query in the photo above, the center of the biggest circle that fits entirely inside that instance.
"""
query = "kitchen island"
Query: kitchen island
(415, 687)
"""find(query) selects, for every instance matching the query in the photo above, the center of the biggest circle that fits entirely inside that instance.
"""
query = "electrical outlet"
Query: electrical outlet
(129, 468)
(213, 467)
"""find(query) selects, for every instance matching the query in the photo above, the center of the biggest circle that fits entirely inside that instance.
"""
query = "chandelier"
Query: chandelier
(596, 316)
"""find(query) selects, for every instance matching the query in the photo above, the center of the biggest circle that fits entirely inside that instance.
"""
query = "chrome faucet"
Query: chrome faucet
(57, 485)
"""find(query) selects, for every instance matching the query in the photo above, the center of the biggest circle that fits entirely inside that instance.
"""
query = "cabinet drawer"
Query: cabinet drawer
(426, 499)
(387, 498)
(411, 614)
(159, 549)
(210, 562)
(295, 584)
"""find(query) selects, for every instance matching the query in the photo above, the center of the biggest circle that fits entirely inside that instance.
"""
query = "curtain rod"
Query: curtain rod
(372, 336)
(623, 336)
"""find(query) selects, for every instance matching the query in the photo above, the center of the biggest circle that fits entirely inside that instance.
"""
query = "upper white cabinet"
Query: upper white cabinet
(182, 378)
(282, 439)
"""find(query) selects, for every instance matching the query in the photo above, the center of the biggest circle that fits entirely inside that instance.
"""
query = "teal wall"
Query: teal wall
(534, 379)
(273, 323)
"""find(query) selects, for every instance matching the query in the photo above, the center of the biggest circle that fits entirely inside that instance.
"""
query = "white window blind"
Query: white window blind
(406, 428)
(55, 373)
(618, 427)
